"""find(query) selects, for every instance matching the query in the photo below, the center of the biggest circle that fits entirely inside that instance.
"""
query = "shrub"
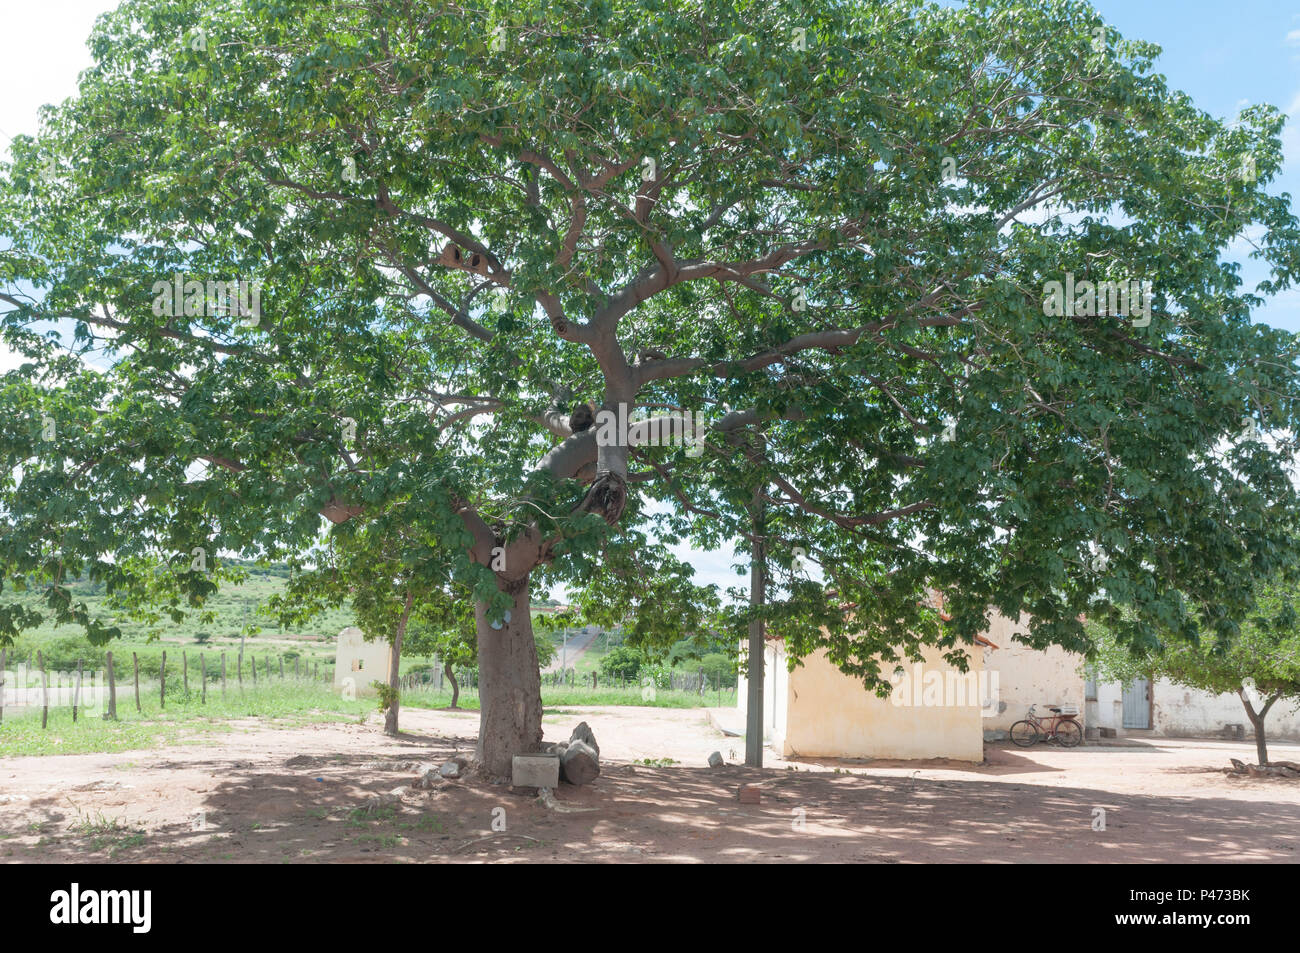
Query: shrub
(621, 662)
(660, 673)
(718, 669)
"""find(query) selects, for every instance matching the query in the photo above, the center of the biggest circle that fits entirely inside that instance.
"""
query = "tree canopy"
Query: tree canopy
(829, 234)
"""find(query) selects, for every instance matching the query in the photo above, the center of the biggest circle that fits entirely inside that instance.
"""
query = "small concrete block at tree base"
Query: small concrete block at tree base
(715, 760)
(450, 769)
(535, 771)
(750, 794)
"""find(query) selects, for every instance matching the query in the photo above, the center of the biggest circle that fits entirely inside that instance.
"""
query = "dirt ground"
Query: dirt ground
(343, 793)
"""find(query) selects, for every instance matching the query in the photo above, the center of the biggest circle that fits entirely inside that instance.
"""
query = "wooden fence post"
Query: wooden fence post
(295, 667)
(162, 681)
(203, 674)
(282, 668)
(45, 690)
(239, 670)
(76, 693)
(136, 659)
(3, 653)
(112, 690)
(223, 674)
(253, 668)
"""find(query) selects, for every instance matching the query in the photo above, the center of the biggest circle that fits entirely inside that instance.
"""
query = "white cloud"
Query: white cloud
(45, 52)
(1293, 38)
(1291, 134)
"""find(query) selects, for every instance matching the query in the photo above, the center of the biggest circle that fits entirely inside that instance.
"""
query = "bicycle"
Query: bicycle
(1061, 727)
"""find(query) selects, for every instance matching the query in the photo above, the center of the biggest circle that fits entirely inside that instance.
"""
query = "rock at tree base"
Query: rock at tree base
(715, 760)
(428, 778)
(583, 733)
(580, 763)
(1274, 769)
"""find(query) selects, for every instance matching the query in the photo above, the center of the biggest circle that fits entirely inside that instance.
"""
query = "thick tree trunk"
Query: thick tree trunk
(455, 689)
(394, 668)
(509, 684)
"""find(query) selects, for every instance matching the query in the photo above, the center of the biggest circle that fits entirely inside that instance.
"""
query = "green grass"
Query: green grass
(287, 702)
(284, 704)
(363, 816)
(280, 704)
(101, 832)
(561, 695)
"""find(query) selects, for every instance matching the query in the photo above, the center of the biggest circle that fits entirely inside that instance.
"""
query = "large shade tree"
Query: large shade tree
(827, 230)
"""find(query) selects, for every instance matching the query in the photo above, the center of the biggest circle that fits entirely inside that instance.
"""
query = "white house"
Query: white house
(358, 663)
(1164, 708)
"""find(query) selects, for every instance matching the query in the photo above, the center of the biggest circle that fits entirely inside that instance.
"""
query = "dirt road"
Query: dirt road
(568, 657)
(342, 793)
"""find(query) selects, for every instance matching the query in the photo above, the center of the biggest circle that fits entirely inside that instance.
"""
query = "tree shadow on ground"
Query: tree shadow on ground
(323, 807)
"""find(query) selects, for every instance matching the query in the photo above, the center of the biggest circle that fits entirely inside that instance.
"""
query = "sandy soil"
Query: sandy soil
(343, 793)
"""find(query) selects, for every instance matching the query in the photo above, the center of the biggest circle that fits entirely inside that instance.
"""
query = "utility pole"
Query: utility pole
(757, 592)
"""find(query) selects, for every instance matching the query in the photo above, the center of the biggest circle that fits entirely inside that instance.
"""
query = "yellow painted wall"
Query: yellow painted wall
(831, 715)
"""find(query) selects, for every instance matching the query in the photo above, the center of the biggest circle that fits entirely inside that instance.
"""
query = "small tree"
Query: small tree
(1261, 665)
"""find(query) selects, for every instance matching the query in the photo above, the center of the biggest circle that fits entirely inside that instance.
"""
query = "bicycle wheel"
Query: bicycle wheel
(1024, 733)
(1069, 734)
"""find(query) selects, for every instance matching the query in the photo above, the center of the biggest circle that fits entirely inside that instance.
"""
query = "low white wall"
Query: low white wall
(1181, 712)
(776, 681)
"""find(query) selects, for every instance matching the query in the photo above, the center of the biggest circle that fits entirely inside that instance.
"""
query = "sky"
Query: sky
(1225, 55)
